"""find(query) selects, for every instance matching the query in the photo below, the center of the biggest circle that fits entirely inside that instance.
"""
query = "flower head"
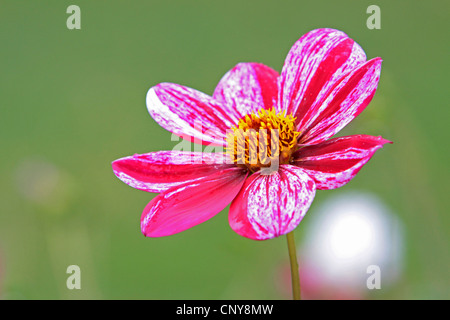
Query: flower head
(263, 119)
(259, 146)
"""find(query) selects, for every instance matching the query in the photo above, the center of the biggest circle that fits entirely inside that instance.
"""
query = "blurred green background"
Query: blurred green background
(72, 101)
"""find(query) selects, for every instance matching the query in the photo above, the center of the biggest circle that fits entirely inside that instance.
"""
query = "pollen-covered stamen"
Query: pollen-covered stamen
(260, 138)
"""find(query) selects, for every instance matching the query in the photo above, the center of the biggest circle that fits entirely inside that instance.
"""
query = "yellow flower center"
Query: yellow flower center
(262, 138)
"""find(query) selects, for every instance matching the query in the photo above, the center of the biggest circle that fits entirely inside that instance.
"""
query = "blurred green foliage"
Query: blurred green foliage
(72, 101)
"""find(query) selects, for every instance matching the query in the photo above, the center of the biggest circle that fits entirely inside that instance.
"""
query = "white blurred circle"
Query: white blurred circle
(347, 234)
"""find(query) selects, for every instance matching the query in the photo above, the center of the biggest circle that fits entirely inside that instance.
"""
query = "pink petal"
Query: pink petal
(190, 114)
(247, 88)
(159, 171)
(314, 63)
(335, 162)
(272, 205)
(343, 102)
(189, 204)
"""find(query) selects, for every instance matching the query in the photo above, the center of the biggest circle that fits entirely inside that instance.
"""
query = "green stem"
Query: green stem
(294, 266)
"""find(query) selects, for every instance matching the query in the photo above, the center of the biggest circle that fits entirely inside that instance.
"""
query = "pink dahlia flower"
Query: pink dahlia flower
(324, 84)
